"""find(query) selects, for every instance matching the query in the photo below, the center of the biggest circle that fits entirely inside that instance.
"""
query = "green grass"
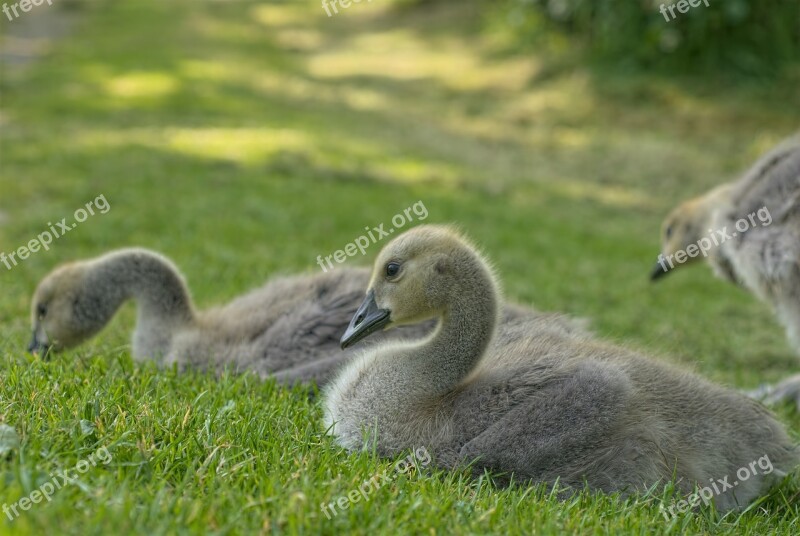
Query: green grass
(244, 139)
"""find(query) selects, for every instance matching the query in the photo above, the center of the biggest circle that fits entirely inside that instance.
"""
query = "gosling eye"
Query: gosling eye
(392, 269)
(668, 232)
(41, 310)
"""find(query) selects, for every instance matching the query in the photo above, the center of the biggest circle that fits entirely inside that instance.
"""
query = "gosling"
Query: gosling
(749, 232)
(530, 402)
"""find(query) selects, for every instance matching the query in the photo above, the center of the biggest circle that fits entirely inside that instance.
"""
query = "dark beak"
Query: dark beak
(36, 347)
(659, 271)
(367, 320)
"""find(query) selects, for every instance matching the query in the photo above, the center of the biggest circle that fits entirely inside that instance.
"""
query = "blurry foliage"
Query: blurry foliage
(751, 37)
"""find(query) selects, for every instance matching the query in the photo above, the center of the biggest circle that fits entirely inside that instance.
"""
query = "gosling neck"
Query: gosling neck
(463, 334)
(162, 298)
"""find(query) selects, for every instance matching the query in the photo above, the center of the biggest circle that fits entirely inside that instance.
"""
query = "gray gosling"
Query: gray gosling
(765, 258)
(535, 403)
(289, 328)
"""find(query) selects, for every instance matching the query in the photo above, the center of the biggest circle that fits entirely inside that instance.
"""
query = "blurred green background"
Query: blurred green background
(724, 38)
(243, 138)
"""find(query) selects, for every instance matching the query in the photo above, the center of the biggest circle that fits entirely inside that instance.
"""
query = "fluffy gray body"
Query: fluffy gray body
(528, 398)
(766, 259)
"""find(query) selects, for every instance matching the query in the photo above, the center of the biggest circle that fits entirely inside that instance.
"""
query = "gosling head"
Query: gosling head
(413, 278)
(58, 315)
(686, 225)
